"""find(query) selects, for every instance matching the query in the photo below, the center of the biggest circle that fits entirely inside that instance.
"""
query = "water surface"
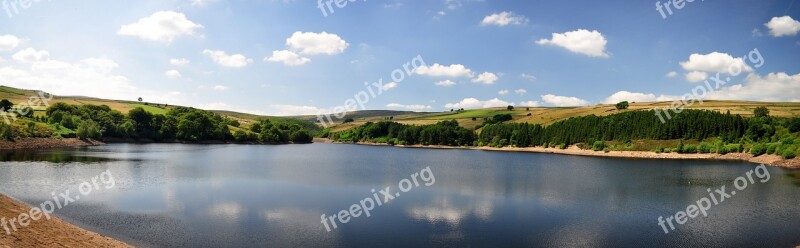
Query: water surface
(175, 195)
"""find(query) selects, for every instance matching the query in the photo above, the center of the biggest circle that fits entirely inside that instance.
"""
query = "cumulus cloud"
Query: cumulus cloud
(220, 87)
(293, 110)
(94, 77)
(316, 43)
(636, 97)
(671, 74)
(783, 26)
(412, 107)
(8, 42)
(503, 19)
(179, 62)
(696, 76)
(437, 70)
(288, 58)
(774, 87)
(486, 78)
(472, 103)
(581, 41)
(445, 83)
(502, 92)
(162, 26)
(172, 74)
(30, 55)
(521, 91)
(714, 62)
(563, 101)
(222, 58)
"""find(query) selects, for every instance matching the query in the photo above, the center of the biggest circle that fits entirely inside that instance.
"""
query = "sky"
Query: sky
(284, 57)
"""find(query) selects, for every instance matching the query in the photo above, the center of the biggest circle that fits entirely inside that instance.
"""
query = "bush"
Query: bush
(705, 147)
(789, 154)
(598, 145)
(88, 130)
(758, 149)
(771, 148)
(689, 149)
(562, 146)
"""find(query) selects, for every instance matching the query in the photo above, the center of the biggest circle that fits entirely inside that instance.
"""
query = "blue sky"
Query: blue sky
(288, 58)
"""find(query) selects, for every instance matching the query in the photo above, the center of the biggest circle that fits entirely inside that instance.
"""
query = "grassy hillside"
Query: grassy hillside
(549, 115)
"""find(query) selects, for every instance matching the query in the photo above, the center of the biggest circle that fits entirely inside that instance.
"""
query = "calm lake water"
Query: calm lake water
(173, 195)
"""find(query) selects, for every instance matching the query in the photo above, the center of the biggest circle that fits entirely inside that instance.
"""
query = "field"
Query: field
(466, 118)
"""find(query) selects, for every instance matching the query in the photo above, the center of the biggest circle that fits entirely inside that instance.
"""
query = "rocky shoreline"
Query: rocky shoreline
(46, 143)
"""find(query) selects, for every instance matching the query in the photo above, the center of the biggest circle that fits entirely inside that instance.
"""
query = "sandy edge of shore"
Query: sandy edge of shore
(46, 143)
(772, 160)
(47, 233)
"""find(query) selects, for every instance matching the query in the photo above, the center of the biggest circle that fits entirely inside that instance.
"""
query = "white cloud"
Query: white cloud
(316, 43)
(30, 55)
(528, 77)
(389, 86)
(445, 83)
(696, 76)
(783, 26)
(521, 91)
(162, 26)
(472, 103)
(437, 70)
(503, 19)
(288, 58)
(486, 78)
(412, 107)
(172, 74)
(636, 97)
(179, 62)
(223, 59)
(94, 77)
(502, 92)
(582, 41)
(8, 42)
(220, 87)
(671, 74)
(774, 87)
(714, 62)
(392, 5)
(530, 104)
(563, 101)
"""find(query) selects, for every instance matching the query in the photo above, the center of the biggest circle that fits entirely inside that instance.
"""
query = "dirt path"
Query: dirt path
(46, 233)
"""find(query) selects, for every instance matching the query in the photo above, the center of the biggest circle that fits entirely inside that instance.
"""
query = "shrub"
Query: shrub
(562, 146)
(598, 145)
(705, 147)
(689, 149)
(771, 148)
(758, 149)
(789, 154)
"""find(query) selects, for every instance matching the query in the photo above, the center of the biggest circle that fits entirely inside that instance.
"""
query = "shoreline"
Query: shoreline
(46, 143)
(54, 232)
(771, 160)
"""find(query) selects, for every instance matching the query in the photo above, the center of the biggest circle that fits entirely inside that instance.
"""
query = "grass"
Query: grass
(149, 108)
